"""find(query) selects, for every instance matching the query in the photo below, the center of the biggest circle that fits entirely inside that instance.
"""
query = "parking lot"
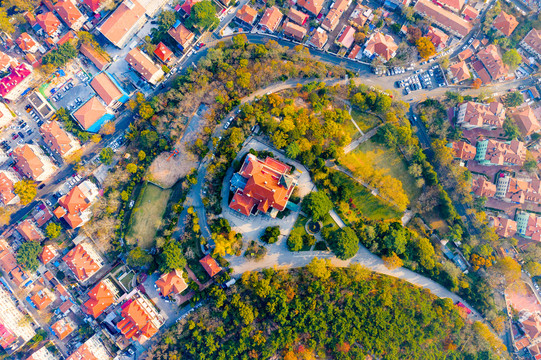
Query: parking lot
(73, 93)
(22, 130)
(429, 79)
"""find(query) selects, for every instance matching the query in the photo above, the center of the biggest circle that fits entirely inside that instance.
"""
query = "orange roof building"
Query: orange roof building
(504, 227)
(144, 66)
(108, 90)
(475, 115)
(526, 120)
(83, 261)
(298, 17)
(460, 71)
(483, 187)
(101, 297)
(295, 31)
(63, 327)
(261, 186)
(470, 13)
(464, 151)
(47, 254)
(92, 115)
(172, 283)
(74, 206)
(319, 38)
(437, 37)
(492, 61)
(445, 19)
(49, 24)
(453, 5)
(347, 37)
(183, 36)
(7, 188)
(271, 19)
(41, 299)
(381, 45)
(27, 43)
(163, 52)
(99, 60)
(123, 23)
(32, 162)
(314, 7)
(532, 42)
(247, 14)
(505, 23)
(70, 14)
(140, 320)
(95, 5)
(29, 231)
(5, 61)
(211, 266)
(59, 140)
(494, 152)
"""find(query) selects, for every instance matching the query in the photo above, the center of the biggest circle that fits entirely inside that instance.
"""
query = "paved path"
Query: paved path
(337, 219)
(353, 145)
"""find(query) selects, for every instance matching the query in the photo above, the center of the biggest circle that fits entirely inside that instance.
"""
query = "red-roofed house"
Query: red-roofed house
(314, 7)
(83, 261)
(18, 80)
(70, 14)
(99, 60)
(494, 152)
(58, 140)
(211, 266)
(95, 5)
(172, 283)
(112, 94)
(271, 19)
(6, 61)
(532, 328)
(319, 38)
(294, 31)
(27, 43)
(463, 150)
(33, 163)
(163, 52)
(186, 7)
(144, 66)
(470, 13)
(101, 297)
(437, 37)
(532, 42)
(347, 37)
(47, 254)
(504, 227)
(460, 71)
(473, 115)
(49, 24)
(41, 299)
(505, 23)
(63, 327)
(492, 61)
(121, 26)
(261, 186)
(483, 187)
(140, 320)
(92, 114)
(29, 231)
(7, 189)
(526, 120)
(453, 5)
(445, 19)
(181, 35)
(247, 14)
(297, 16)
(380, 45)
(354, 53)
(75, 205)
(7, 338)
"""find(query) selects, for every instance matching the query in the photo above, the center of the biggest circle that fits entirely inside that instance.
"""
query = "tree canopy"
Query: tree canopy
(171, 257)
(26, 190)
(59, 57)
(514, 99)
(53, 230)
(138, 257)
(106, 156)
(316, 204)
(425, 47)
(27, 255)
(344, 243)
(203, 16)
(512, 58)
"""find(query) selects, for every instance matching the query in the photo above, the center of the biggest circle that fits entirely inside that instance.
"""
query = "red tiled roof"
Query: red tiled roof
(163, 52)
(28, 230)
(312, 6)
(136, 322)
(460, 71)
(68, 12)
(96, 58)
(470, 13)
(93, 4)
(294, 30)
(242, 203)
(455, 5)
(466, 54)
(319, 38)
(66, 37)
(62, 328)
(142, 64)
(56, 138)
(483, 187)
(463, 150)
(247, 14)
(47, 254)
(506, 23)
(7, 190)
(26, 42)
(101, 297)
(347, 37)
(120, 22)
(526, 120)
(210, 265)
(6, 337)
(505, 227)
(297, 16)
(271, 18)
(443, 17)
(492, 61)
(354, 52)
(105, 88)
(66, 306)
(90, 112)
(188, 4)
(74, 201)
(533, 40)
(381, 44)
(48, 22)
(172, 282)
(16, 76)
(80, 262)
(41, 300)
(437, 37)
(182, 35)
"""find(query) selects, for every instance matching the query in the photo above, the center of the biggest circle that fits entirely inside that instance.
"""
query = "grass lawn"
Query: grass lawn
(393, 164)
(299, 224)
(147, 214)
(352, 130)
(364, 121)
(328, 222)
(127, 279)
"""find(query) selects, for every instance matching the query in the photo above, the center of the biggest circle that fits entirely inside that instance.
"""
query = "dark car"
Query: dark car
(41, 186)
(21, 135)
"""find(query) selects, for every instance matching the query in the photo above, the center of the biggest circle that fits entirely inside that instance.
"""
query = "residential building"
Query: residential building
(59, 140)
(42, 298)
(83, 260)
(319, 38)
(504, 227)
(171, 283)
(121, 26)
(6, 61)
(74, 207)
(526, 120)
(49, 24)
(41, 105)
(463, 150)
(505, 23)
(27, 43)
(483, 187)
(261, 186)
(298, 17)
(182, 36)
(460, 72)
(186, 7)
(92, 115)
(14, 330)
(271, 19)
(210, 265)
(16, 82)
(445, 19)
(314, 7)
(354, 53)
(438, 38)
(470, 13)
(33, 163)
(42, 354)
(453, 5)
(70, 14)
(335, 13)
(518, 191)
(101, 296)
(109, 90)
(380, 45)
(63, 327)
(528, 225)
(48, 254)
(532, 328)
(295, 31)
(465, 54)
(494, 152)
(29, 231)
(163, 53)
(473, 115)
(492, 61)
(532, 42)
(140, 319)
(144, 66)
(247, 15)
(99, 60)
(92, 349)
(346, 37)
(96, 5)
(7, 188)
(360, 15)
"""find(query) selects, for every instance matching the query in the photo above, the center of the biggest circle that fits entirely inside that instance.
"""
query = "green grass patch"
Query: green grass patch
(364, 121)
(328, 222)
(147, 215)
(127, 279)
(393, 164)
(299, 224)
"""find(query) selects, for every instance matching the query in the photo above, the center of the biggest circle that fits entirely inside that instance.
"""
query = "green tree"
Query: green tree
(316, 204)
(171, 257)
(166, 20)
(293, 150)
(514, 99)
(27, 255)
(203, 16)
(106, 156)
(53, 230)
(141, 155)
(270, 236)
(131, 168)
(511, 129)
(26, 190)
(59, 57)
(344, 243)
(148, 138)
(146, 111)
(295, 241)
(138, 257)
(512, 58)
(533, 267)
(240, 40)
(426, 254)
(396, 241)
(320, 268)
(383, 103)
